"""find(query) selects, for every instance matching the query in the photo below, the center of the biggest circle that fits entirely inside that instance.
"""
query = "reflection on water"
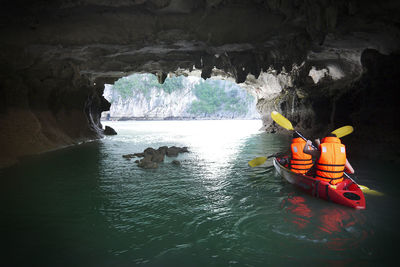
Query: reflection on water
(337, 228)
(88, 206)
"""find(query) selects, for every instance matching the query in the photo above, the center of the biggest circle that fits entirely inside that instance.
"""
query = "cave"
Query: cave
(322, 64)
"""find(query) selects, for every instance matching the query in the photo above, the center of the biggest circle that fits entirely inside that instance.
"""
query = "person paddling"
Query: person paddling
(299, 161)
(331, 159)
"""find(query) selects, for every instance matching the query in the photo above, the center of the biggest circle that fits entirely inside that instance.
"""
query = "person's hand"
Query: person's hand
(309, 143)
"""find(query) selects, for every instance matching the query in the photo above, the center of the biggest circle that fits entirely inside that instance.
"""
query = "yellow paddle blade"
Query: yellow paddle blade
(282, 121)
(343, 131)
(257, 161)
(368, 191)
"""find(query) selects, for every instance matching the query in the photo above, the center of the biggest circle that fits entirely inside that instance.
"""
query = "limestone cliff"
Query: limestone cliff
(157, 103)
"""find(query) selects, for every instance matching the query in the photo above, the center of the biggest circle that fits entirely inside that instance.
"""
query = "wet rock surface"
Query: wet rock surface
(152, 157)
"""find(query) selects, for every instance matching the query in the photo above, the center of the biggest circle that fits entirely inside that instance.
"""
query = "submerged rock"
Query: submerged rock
(176, 162)
(147, 164)
(128, 156)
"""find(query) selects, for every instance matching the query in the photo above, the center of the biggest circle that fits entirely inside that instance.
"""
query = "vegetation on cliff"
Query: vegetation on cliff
(131, 86)
(213, 97)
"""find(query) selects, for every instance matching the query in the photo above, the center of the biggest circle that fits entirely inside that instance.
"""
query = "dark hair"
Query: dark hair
(331, 135)
(295, 135)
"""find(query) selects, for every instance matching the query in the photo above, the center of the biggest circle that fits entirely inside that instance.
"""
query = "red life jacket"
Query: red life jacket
(330, 165)
(300, 162)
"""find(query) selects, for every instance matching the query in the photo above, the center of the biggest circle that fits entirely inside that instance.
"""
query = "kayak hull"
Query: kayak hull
(346, 193)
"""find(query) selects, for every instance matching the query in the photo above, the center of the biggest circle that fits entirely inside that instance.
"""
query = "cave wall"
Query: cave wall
(302, 58)
(369, 102)
(371, 105)
(44, 106)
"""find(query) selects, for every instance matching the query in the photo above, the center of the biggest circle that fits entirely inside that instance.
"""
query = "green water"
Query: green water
(88, 206)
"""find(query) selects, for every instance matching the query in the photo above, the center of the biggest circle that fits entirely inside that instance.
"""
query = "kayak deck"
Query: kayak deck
(346, 193)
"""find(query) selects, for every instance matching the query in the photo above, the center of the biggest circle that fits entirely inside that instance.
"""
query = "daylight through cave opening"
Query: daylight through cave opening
(142, 97)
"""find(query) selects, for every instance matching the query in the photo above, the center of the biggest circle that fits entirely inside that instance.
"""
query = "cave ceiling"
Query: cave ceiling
(104, 40)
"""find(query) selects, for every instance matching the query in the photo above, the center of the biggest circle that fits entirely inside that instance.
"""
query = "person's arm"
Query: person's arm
(348, 168)
(309, 150)
(317, 141)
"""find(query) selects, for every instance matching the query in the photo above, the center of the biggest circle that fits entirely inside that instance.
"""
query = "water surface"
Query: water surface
(88, 206)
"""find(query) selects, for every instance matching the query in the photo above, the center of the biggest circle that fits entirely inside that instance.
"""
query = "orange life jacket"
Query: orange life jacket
(300, 161)
(330, 165)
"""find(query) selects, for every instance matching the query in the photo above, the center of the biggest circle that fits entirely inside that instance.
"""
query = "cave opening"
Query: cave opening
(140, 96)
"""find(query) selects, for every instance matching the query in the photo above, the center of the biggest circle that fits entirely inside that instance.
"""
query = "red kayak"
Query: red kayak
(346, 193)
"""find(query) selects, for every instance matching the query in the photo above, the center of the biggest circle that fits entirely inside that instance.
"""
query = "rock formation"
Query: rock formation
(152, 157)
(109, 131)
(319, 62)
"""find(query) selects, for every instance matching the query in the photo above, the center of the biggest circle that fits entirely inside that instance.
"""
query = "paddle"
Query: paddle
(343, 131)
(285, 123)
(260, 160)
(340, 132)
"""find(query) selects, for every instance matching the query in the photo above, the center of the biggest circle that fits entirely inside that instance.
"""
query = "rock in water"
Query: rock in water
(176, 162)
(173, 151)
(109, 131)
(152, 157)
